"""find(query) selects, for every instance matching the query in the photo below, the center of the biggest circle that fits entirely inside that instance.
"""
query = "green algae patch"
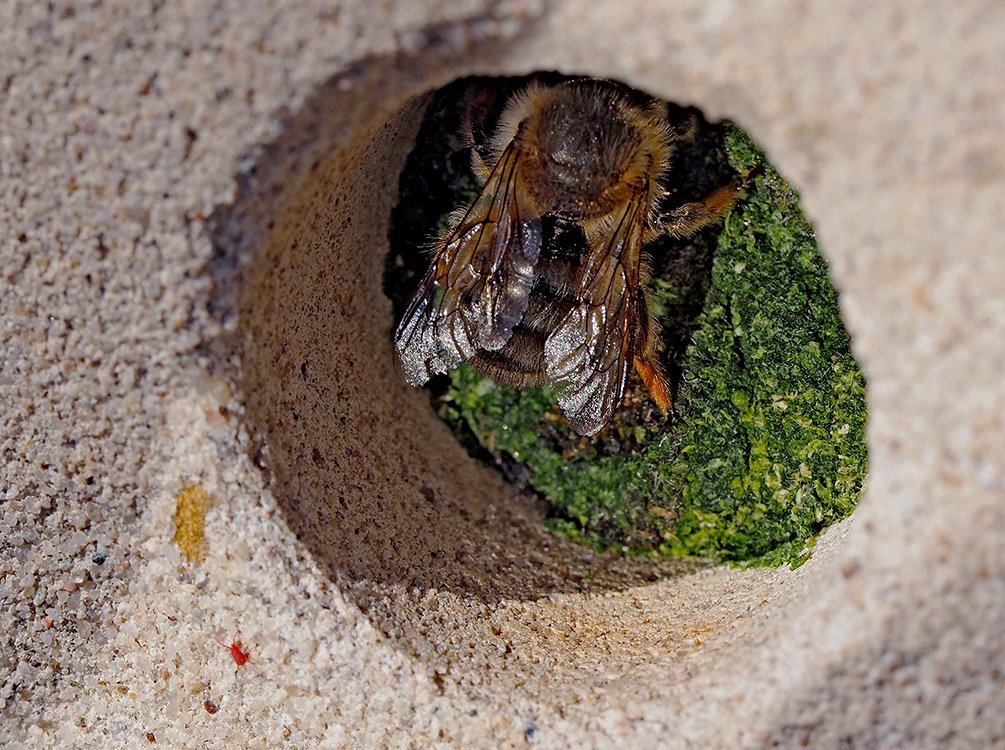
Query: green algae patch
(766, 446)
(770, 447)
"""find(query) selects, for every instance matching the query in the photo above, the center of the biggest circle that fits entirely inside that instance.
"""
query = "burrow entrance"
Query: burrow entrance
(450, 560)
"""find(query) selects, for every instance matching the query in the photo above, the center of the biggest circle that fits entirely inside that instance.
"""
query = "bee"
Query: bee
(542, 277)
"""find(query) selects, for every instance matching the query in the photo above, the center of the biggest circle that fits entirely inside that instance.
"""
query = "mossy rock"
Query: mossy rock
(767, 443)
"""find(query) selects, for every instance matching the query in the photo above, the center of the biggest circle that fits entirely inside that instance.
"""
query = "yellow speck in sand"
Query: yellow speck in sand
(190, 522)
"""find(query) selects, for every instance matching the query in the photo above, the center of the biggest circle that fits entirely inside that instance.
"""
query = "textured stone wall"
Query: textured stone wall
(194, 214)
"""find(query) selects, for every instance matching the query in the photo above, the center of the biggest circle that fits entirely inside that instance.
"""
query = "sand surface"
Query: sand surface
(193, 205)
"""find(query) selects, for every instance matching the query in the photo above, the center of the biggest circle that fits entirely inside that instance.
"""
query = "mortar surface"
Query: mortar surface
(193, 211)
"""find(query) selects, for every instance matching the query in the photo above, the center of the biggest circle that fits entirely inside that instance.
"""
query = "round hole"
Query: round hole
(766, 443)
(456, 565)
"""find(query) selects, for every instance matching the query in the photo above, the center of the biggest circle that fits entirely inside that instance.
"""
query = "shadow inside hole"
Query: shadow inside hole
(370, 481)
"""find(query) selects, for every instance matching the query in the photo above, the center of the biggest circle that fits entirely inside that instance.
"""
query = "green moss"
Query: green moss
(767, 447)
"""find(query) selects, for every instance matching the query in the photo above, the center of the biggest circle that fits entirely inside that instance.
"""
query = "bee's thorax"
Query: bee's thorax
(587, 150)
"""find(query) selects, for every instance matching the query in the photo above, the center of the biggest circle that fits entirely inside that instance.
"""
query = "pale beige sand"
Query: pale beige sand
(194, 216)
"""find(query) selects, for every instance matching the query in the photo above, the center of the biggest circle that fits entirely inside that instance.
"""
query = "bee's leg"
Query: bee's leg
(689, 218)
(478, 164)
(647, 359)
(479, 167)
(476, 123)
(652, 375)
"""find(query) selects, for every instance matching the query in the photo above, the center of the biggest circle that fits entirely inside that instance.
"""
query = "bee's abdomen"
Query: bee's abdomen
(520, 362)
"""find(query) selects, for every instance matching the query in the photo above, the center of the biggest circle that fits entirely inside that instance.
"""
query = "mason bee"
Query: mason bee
(542, 277)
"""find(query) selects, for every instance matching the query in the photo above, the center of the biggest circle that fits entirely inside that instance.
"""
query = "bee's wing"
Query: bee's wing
(478, 285)
(589, 353)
